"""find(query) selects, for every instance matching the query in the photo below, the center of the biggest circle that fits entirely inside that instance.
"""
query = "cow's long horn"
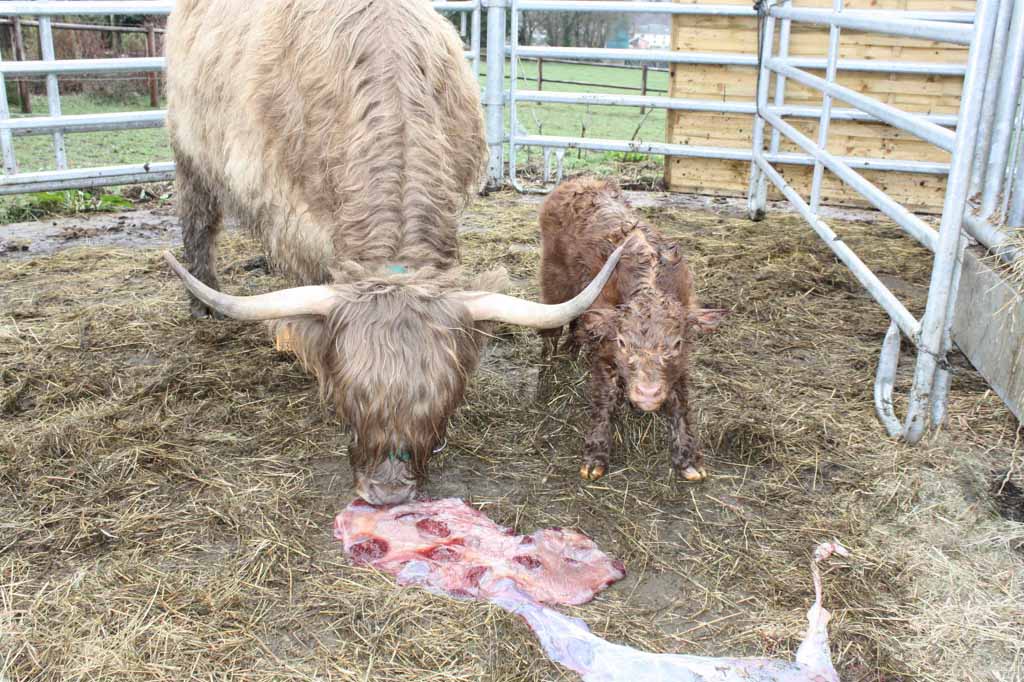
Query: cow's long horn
(310, 300)
(501, 308)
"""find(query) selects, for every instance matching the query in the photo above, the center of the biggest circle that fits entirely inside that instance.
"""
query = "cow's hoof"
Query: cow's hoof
(283, 342)
(694, 474)
(592, 471)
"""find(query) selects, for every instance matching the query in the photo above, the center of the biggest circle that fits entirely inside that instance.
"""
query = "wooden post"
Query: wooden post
(643, 86)
(115, 37)
(540, 73)
(154, 92)
(19, 55)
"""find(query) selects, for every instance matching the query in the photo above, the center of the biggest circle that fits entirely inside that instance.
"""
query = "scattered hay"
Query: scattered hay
(168, 485)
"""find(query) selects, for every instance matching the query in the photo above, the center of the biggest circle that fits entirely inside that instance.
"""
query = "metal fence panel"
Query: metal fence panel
(58, 125)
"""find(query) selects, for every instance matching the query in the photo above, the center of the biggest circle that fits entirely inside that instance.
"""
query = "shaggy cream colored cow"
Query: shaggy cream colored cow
(348, 136)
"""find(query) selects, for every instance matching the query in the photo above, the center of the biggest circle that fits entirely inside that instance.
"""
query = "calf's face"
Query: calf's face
(649, 338)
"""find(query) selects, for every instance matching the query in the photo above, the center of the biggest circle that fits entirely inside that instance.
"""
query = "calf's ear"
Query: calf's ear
(598, 324)
(707, 319)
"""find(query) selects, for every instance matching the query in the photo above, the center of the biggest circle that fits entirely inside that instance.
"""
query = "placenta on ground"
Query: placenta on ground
(446, 546)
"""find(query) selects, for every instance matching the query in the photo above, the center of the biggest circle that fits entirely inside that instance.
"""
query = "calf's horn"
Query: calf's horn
(310, 300)
(484, 305)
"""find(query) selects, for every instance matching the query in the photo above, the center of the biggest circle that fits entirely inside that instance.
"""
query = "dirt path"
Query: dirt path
(159, 227)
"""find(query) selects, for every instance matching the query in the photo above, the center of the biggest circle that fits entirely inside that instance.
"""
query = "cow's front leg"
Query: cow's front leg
(604, 396)
(687, 460)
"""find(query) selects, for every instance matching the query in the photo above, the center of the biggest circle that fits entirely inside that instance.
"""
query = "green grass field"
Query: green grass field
(35, 153)
(606, 122)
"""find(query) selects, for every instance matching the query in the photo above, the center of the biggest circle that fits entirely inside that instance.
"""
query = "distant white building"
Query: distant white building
(651, 37)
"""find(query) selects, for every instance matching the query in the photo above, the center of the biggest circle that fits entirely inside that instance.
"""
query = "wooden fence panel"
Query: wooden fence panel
(920, 93)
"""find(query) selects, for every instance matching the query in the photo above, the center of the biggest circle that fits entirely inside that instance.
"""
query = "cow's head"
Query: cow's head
(650, 333)
(393, 354)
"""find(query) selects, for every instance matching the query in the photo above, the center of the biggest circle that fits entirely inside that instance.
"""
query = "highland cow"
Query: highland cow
(347, 136)
(639, 330)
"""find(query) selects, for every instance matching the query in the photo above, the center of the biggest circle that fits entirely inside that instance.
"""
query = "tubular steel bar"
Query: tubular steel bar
(757, 199)
(785, 32)
(1015, 200)
(53, 8)
(728, 153)
(713, 10)
(84, 123)
(885, 377)
(513, 131)
(935, 340)
(86, 177)
(710, 105)
(474, 38)
(68, 66)
(6, 141)
(732, 59)
(52, 89)
(493, 93)
(988, 106)
(1003, 124)
(946, 32)
(826, 108)
(46, 8)
(912, 123)
(102, 28)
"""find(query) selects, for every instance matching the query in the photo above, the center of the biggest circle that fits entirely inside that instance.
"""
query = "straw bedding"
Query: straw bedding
(167, 486)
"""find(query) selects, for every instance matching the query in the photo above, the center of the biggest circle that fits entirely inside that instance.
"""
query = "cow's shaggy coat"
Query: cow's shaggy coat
(347, 135)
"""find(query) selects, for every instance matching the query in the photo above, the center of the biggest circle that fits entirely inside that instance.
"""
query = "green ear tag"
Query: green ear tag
(401, 456)
(397, 269)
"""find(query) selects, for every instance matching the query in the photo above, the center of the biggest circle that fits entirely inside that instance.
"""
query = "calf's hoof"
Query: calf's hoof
(694, 474)
(283, 342)
(591, 471)
(200, 311)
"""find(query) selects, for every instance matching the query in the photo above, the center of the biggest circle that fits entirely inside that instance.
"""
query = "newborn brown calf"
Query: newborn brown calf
(640, 328)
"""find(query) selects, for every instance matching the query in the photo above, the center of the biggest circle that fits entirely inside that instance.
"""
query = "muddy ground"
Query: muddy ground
(167, 486)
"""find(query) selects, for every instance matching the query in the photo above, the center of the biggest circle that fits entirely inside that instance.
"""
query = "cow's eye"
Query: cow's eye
(621, 341)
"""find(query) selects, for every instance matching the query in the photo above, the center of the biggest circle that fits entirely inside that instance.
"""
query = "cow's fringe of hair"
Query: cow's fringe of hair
(354, 349)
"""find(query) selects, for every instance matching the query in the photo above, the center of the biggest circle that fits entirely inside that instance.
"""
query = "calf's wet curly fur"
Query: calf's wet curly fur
(640, 329)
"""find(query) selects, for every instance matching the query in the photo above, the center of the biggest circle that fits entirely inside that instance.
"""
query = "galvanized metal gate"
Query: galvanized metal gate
(516, 139)
(990, 96)
(58, 125)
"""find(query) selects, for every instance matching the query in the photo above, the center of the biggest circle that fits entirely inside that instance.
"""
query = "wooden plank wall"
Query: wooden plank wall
(931, 94)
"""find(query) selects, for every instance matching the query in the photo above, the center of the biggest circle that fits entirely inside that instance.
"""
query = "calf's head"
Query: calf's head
(393, 354)
(649, 338)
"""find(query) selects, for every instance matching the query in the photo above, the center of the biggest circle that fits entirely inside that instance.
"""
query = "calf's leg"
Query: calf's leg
(549, 341)
(687, 460)
(604, 396)
(200, 213)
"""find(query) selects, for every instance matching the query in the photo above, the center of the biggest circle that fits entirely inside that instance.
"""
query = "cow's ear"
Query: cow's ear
(669, 255)
(496, 281)
(599, 324)
(707, 319)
